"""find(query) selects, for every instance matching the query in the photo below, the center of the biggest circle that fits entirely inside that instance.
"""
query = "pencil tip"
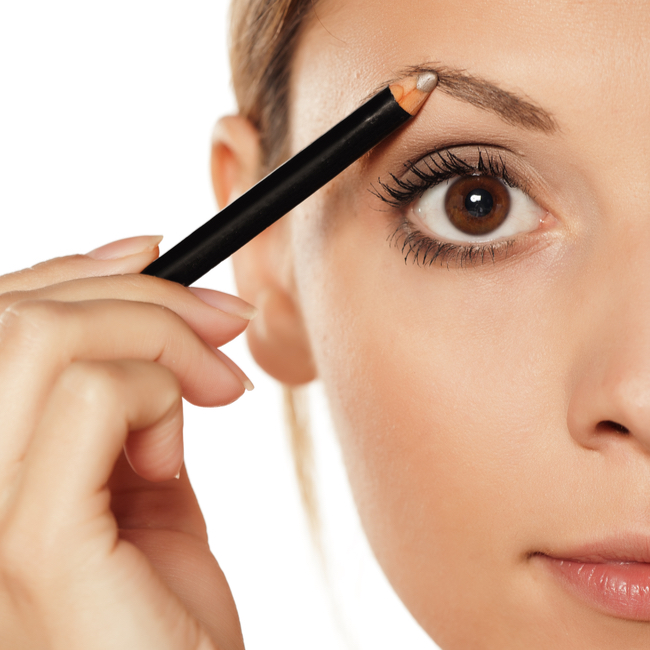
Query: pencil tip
(427, 81)
(411, 92)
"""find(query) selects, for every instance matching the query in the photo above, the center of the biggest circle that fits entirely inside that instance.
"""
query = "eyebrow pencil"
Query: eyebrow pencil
(293, 181)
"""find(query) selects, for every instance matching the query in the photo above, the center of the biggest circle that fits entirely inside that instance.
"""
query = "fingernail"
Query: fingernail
(225, 302)
(248, 384)
(125, 247)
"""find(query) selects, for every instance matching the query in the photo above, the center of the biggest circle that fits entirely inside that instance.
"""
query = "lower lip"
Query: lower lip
(621, 589)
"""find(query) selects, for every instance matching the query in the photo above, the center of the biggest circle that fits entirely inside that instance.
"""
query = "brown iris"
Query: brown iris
(477, 205)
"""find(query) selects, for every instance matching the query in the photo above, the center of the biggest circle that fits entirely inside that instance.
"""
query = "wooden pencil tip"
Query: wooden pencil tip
(411, 92)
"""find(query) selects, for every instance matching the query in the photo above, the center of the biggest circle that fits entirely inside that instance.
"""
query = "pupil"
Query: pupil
(479, 203)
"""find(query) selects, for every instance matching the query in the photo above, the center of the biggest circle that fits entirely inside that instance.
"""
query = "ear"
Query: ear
(277, 337)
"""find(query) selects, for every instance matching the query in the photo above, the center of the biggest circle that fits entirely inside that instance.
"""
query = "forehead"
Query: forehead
(564, 55)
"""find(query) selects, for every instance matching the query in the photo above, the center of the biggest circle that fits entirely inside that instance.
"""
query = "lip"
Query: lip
(612, 576)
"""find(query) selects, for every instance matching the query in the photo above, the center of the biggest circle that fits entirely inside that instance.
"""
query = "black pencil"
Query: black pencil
(294, 181)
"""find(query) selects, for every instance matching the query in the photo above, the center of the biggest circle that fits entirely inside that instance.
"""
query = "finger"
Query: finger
(215, 316)
(124, 256)
(38, 339)
(93, 410)
(137, 503)
(155, 452)
(62, 500)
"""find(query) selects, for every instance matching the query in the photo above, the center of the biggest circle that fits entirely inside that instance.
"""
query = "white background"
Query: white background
(106, 111)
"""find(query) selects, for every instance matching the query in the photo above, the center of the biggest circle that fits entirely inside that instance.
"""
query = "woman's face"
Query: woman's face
(480, 392)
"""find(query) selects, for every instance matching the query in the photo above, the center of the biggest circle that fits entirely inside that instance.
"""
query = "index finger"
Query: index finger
(215, 316)
(40, 338)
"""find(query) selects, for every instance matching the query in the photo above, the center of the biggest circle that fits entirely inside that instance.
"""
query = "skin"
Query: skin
(472, 404)
(98, 541)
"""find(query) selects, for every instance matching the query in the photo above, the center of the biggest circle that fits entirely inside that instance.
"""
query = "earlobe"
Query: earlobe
(263, 268)
(278, 340)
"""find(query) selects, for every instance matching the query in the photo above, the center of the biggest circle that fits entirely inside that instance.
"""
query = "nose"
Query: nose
(610, 400)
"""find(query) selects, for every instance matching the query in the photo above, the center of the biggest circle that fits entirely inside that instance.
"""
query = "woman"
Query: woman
(490, 395)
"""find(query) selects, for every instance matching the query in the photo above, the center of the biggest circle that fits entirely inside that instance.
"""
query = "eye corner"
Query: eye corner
(547, 221)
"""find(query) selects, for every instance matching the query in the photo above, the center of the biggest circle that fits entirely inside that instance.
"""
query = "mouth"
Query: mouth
(611, 576)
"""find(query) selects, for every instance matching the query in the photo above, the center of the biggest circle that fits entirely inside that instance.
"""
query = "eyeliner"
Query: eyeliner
(293, 181)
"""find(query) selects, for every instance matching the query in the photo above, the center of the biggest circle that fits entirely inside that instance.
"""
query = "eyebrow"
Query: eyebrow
(510, 107)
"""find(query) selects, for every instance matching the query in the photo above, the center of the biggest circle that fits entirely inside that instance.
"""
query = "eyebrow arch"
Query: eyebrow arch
(510, 107)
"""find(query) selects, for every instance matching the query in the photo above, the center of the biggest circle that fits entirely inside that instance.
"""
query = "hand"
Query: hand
(101, 548)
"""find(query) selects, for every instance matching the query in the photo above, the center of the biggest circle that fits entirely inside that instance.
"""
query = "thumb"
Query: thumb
(129, 255)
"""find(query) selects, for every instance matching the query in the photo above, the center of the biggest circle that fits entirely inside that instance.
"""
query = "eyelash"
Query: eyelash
(420, 176)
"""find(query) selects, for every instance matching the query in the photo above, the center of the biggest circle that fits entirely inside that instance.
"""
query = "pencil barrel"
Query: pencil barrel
(281, 191)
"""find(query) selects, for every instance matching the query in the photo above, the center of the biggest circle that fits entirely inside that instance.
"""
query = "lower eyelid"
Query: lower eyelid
(425, 251)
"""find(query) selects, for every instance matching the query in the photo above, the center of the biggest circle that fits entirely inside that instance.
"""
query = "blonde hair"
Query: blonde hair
(263, 36)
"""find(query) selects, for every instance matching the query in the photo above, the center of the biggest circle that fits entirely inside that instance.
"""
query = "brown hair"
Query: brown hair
(263, 37)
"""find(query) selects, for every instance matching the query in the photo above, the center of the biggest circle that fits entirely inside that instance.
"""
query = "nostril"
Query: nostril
(608, 426)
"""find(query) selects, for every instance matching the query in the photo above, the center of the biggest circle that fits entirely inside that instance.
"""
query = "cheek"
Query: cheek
(446, 404)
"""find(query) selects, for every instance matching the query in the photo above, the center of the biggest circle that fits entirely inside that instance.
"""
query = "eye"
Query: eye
(476, 208)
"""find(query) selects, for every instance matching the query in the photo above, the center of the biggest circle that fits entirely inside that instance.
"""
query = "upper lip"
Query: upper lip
(632, 547)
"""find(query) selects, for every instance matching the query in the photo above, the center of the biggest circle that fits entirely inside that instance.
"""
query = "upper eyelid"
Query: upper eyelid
(457, 165)
(409, 165)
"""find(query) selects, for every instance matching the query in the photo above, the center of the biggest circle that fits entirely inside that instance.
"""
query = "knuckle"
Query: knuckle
(33, 320)
(93, 383)
(172, 391)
